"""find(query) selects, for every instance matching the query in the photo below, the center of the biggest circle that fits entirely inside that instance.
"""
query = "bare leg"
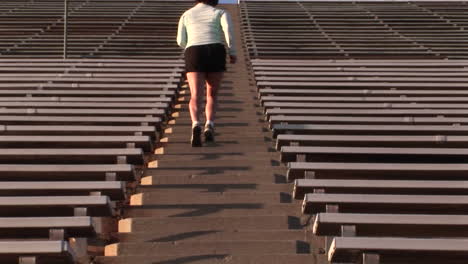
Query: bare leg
(213, 83)
(196, 81)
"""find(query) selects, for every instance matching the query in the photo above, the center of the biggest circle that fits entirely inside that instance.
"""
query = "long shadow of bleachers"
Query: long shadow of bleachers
(375, 145)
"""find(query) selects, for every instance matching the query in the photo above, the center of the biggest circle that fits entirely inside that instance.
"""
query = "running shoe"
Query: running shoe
(209, 133)
(196, 136)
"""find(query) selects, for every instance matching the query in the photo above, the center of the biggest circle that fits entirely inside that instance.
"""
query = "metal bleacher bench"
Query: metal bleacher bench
(363, 154)
(323, 170)
(67, 172)
(115, 190)
(385, 203)
(449, 187)
(398, 250)
(72, 155)
(371, 141)
(52, 252)
(386, 225)
(142, 142)
(93, 205)
(40, 227)
(367, 129)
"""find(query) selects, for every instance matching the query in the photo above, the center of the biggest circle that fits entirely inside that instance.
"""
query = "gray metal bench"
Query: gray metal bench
(361, 120)
(437, 141)
(45, 227)
(382, 186)
(115, 190)
(94, 205)
(340, 170)
(372, 154)
(384, 203)
(142, 142)
(391, 225)
(352, 129)
(398, 250)
(59, 172)
(53, 252)
(73, 130)
(72, 156)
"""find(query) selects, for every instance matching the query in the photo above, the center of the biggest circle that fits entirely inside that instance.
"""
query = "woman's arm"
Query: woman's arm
(226, 24)
(182, 33)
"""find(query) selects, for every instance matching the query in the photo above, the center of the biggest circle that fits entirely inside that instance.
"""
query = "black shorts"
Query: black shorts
(205, 58)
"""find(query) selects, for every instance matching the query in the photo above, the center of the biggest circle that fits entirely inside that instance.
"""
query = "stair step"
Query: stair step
(208, 188)
(234, 164)
(210, 259)
(242, 172)
(187, 197)
(185, 224)
(214, 235)
(214, 210)
(206, 248)
(211, 156)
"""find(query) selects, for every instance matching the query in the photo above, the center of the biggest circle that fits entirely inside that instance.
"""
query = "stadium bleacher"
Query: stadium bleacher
(365, 100)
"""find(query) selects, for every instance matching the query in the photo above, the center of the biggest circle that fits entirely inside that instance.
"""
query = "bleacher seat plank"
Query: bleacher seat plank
(17, 119)
(364, 92)
(368, 129)
(344, 85)
(80, 105)
(84, 112)
(142, 142)
(84, 99)
(53, 252)
(385, 203)
(303, 186)
(115, 190)
(357, 154)
(362, 99)
(55, 205)
(381, 225)
(357, 71)
(360, 63)
(367, 112)
(277, 119)
(347, 249)
(87, 92)
(34, 227)
(296, 170)
(365, 105)
(436, 141)
(77, 130)
(86, 172)
(70, 155)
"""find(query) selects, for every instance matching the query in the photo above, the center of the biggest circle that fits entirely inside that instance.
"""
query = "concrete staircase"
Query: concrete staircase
(226, 202)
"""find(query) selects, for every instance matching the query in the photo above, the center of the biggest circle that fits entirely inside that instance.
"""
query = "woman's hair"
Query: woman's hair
(208, 2)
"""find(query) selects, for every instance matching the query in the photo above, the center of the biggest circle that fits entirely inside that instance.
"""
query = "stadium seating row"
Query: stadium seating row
(376, 150)
(74, 135)
(355, 29)
(96, 28)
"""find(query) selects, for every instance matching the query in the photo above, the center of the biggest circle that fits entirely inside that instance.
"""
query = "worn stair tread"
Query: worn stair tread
(218, 210)
(186, 197)
(198, 247)
(210, 259)
(213, 174)
(209, 223)
(214, 235)
(213, 187)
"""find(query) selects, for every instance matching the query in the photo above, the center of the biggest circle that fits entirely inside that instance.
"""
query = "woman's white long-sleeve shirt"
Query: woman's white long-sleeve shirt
(204, 24)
